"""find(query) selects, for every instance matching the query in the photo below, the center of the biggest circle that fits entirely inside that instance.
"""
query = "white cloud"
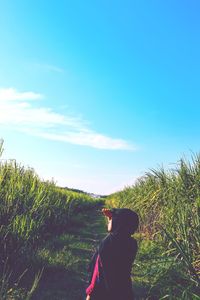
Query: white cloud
(17, 112)
(89, 138)
(11, 94)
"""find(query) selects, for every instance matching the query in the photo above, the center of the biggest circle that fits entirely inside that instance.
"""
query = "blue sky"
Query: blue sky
(95, 93)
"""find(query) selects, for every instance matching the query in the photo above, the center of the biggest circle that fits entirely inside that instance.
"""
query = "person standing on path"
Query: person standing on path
(111, 265)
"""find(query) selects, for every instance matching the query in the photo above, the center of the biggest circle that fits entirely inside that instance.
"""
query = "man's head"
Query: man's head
(123, 221)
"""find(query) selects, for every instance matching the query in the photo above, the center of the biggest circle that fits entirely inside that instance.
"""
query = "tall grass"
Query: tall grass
(168, 203)
(31, 211)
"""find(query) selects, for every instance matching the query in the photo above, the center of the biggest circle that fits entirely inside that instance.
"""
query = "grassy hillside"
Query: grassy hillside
(168, 203)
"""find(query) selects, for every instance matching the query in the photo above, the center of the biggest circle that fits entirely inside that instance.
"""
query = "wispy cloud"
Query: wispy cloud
(49, 67)
(19, 113)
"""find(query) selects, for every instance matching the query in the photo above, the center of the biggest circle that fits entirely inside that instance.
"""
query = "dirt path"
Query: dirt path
(66, 258)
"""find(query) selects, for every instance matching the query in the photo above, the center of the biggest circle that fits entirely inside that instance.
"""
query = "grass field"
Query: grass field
(48, 234)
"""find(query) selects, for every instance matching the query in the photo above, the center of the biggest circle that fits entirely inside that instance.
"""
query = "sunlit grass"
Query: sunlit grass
(31, 212)
(55, 231)
(169, 208)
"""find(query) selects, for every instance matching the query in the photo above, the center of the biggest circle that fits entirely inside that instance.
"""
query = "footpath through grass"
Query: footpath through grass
(66, 257)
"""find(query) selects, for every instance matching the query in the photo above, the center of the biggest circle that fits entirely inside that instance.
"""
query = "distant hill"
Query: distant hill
(86, 193)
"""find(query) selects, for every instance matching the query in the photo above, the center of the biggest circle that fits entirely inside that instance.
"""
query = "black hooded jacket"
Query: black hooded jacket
(117, 253)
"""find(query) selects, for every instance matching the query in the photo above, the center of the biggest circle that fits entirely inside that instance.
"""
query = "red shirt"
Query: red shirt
(95, 276)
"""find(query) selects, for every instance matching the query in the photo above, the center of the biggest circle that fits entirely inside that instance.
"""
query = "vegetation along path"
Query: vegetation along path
(66, 258)
(55, 231)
